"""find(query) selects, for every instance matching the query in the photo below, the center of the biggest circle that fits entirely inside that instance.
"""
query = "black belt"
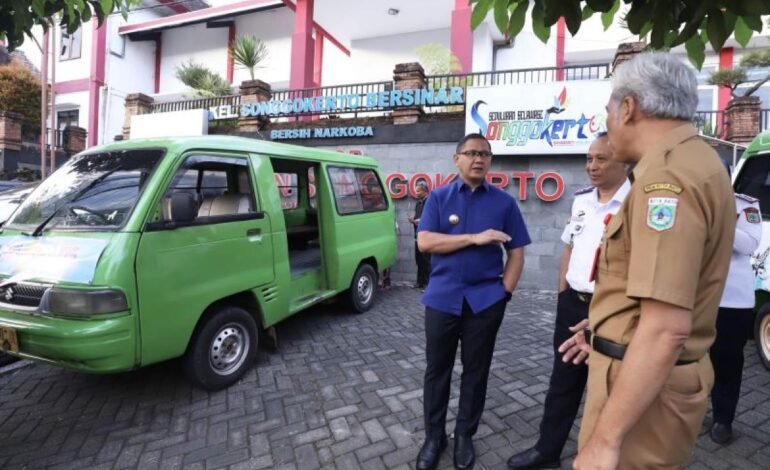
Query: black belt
(582, 296)
(613, 349)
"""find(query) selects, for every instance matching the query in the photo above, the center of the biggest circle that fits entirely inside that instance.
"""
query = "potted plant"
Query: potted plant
(743, 110)
(248, 52)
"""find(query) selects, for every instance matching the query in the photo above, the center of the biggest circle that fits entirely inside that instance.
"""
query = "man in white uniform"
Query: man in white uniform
(582, 236)
(734, 320)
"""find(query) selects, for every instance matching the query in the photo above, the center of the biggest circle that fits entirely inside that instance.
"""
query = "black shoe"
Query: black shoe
(532, 459)
(721, 433)
(430, 453)
(465, 455)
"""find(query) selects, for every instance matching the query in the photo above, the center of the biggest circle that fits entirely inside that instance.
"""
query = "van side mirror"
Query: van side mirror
(184, 208)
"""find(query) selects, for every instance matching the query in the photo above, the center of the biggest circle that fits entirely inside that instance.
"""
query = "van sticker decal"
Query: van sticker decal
(50, 258)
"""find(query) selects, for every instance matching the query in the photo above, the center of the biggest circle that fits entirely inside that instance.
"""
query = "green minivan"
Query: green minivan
(146, 250)
(752, 177)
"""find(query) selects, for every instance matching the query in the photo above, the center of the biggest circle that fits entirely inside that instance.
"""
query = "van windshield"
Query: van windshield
(90, 191)
(754, 181)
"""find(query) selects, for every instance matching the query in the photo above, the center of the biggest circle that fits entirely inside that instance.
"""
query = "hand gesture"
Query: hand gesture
(576, 349)
(490, 237)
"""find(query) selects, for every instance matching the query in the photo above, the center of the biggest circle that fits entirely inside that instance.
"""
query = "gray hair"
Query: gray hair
(421, 185)
(663, 86)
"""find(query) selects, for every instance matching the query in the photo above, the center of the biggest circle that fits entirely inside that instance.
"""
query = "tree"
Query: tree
(437, 59)
(248, 51)
(204, 81)
(666, 23)
(20, 92)
(733, 78)
(18, 17)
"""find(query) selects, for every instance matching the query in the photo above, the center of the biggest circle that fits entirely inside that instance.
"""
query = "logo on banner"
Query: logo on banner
(521, 127)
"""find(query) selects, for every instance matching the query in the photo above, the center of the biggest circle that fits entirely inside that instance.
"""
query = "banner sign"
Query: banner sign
(322, 133)
(50, 258)
(541, 118)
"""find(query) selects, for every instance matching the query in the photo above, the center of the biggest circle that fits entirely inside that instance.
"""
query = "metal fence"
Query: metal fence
(30, 134)
(352, 98)
(764, 120)
(710, 123)
(197, 103)
(512, 77)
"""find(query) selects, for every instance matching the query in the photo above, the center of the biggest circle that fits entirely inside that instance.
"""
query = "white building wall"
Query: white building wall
(130, 69)
(204, 46)
(483, 50)
(75, 69)
(374, 59)
(274, 27)
(527, 51)
(337, 66)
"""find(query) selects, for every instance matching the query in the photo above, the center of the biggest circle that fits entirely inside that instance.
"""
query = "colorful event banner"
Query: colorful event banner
(539, 118)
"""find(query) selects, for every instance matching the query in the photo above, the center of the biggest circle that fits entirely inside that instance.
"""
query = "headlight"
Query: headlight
(84, 302)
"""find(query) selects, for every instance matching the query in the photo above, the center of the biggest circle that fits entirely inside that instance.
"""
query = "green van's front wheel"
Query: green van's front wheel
(363, 288)
(222, 348)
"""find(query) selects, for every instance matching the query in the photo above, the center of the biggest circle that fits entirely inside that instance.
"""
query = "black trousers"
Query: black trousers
(423, 266)
(477, 333)
(568, 381)
(733, 329)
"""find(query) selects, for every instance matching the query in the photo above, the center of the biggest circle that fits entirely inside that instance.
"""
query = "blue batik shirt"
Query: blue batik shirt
(475, 272)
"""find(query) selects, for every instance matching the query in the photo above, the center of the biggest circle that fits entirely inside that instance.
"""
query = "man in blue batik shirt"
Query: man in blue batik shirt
(465, 226)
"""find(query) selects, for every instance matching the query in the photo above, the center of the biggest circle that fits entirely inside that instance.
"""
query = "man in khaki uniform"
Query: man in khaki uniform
(659, 277)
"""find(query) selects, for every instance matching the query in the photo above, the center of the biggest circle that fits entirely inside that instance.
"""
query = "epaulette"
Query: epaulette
(746, 198)
(585, 190)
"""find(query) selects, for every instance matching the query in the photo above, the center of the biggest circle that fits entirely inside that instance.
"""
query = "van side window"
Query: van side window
(221, 185)
(357, 190)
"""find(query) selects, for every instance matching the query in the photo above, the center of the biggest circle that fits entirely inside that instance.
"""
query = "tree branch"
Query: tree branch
(756, 86)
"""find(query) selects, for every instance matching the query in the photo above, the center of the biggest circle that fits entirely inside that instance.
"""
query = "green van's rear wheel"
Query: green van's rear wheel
(762, 335)
(222, 348)
(363, 288)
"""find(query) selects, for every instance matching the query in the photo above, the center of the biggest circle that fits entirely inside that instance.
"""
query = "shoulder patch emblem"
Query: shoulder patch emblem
(752, 215)
(662, 187)
(661, 213)
(746, 198)
(585, 190)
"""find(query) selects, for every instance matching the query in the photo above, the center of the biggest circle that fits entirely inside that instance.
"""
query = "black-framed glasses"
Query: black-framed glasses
(477, 153)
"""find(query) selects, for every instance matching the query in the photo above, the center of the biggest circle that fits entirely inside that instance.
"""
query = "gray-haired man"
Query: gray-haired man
(659, 277)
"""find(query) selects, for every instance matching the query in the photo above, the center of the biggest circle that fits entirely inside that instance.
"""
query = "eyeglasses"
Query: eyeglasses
(476, 153)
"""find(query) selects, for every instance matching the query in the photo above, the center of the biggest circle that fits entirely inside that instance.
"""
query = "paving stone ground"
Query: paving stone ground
(342, 392)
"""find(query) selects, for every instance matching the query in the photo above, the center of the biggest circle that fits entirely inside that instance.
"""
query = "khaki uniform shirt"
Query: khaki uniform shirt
(670, 242)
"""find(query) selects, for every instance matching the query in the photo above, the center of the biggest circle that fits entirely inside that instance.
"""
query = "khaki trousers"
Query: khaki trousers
(664, 436)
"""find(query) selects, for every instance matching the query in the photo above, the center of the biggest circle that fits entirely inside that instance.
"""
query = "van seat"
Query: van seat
(226, 204)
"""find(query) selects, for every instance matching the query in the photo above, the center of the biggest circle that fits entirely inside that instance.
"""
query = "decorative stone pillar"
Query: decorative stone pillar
(254, 91)
(626, 51)
(408, 76)
(10, 130)
(742, 117)
(74, 140)
(136, 103)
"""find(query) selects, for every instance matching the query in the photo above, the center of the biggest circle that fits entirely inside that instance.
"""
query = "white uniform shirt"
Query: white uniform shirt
(584, 232)
(739, 289)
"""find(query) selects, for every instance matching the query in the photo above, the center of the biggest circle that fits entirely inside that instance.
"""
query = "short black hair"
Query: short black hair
(472, 136)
